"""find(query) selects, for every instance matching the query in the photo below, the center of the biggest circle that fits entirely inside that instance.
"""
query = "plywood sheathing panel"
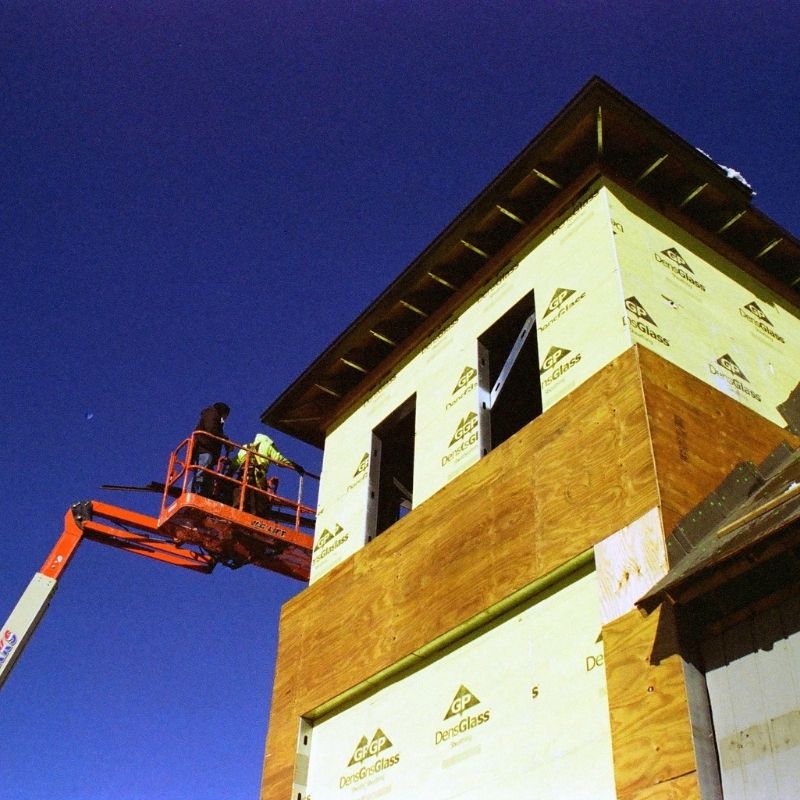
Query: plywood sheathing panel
(629, 563)
(698, 435)
(684, 787)
(650, 726)
(566, 481)
(279, 758)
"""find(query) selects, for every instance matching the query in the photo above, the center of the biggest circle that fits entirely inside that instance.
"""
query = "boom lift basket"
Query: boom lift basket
(239, 518)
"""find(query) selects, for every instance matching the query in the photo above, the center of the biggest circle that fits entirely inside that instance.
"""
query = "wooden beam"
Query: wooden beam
(660, 160)
(411, 307)
(474, 248)
(689, 197)
(510, 214)
(442, 281)
(599, 124)
(769, 247)
(353, 365)
(383, 338)
(327, 390)
(732, 220)
(547, 179)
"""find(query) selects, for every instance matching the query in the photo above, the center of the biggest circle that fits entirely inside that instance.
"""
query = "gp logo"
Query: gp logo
(463, 700)
(559, 296)
(367, 749)
(638, 310)
(726, 362)
(465, 427)
(467, 375)
(552, 358)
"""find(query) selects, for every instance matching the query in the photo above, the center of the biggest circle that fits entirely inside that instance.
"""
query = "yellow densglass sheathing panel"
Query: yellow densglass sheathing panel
(572, 272)
(342, 512)
(342, 501)
(583, 342)
(701, 312)
(388, 399)
(447, 420)
(342, 464)
(340, 530)
(446, 730)
(580, 321)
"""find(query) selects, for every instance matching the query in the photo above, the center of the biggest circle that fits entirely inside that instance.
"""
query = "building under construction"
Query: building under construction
(556, 551)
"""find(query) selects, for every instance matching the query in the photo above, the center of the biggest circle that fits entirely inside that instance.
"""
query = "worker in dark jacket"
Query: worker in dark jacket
(207, 448)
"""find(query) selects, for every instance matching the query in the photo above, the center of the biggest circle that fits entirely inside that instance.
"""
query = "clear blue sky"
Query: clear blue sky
(195, 199)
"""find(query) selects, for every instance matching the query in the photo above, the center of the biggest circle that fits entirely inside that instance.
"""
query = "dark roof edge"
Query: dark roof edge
(592, 85)
(596, 92)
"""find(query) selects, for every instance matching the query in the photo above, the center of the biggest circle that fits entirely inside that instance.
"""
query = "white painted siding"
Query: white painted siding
(753, 678)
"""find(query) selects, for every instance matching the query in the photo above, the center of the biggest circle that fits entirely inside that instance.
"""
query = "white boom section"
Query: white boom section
(22, 623)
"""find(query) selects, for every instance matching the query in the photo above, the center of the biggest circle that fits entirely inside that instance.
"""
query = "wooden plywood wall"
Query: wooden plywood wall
(651, 731)
(567, 480)
(601, 458)
(699, 435)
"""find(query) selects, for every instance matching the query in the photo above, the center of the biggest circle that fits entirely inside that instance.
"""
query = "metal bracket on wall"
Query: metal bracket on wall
(527, 327)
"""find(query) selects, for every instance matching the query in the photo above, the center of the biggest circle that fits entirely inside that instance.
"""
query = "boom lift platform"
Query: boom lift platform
(240, 519)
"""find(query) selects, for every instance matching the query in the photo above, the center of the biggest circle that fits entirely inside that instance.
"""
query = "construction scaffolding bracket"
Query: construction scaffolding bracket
(526, 328)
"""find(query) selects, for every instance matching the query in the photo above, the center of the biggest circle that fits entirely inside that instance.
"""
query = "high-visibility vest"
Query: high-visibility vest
(263, 451)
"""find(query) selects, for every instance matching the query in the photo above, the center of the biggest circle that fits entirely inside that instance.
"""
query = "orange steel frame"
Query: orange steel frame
(81, 522)
(218, 532)
(181, 469)
(279, 540)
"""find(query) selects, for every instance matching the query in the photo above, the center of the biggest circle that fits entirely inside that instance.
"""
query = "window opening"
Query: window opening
(391, 491)
(508, 374)
(300, 782)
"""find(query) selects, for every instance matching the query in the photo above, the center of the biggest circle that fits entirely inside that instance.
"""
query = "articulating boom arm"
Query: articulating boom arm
(99, 522)
(238, 519)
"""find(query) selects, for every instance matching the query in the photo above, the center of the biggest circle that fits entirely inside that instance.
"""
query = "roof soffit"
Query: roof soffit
(598, 131)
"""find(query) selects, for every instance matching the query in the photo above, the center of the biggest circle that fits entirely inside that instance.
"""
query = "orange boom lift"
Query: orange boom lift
(192, 531)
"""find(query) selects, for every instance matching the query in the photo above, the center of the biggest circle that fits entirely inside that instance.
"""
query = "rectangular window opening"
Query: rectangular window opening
(508, 374)
(392, 469)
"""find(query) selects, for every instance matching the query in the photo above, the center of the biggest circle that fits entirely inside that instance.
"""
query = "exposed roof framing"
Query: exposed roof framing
(599, 132)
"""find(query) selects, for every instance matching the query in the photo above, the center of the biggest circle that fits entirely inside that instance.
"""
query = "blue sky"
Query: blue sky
(195, 199)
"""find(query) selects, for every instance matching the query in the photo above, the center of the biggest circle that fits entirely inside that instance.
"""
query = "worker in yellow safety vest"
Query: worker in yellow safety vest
(262, 453)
